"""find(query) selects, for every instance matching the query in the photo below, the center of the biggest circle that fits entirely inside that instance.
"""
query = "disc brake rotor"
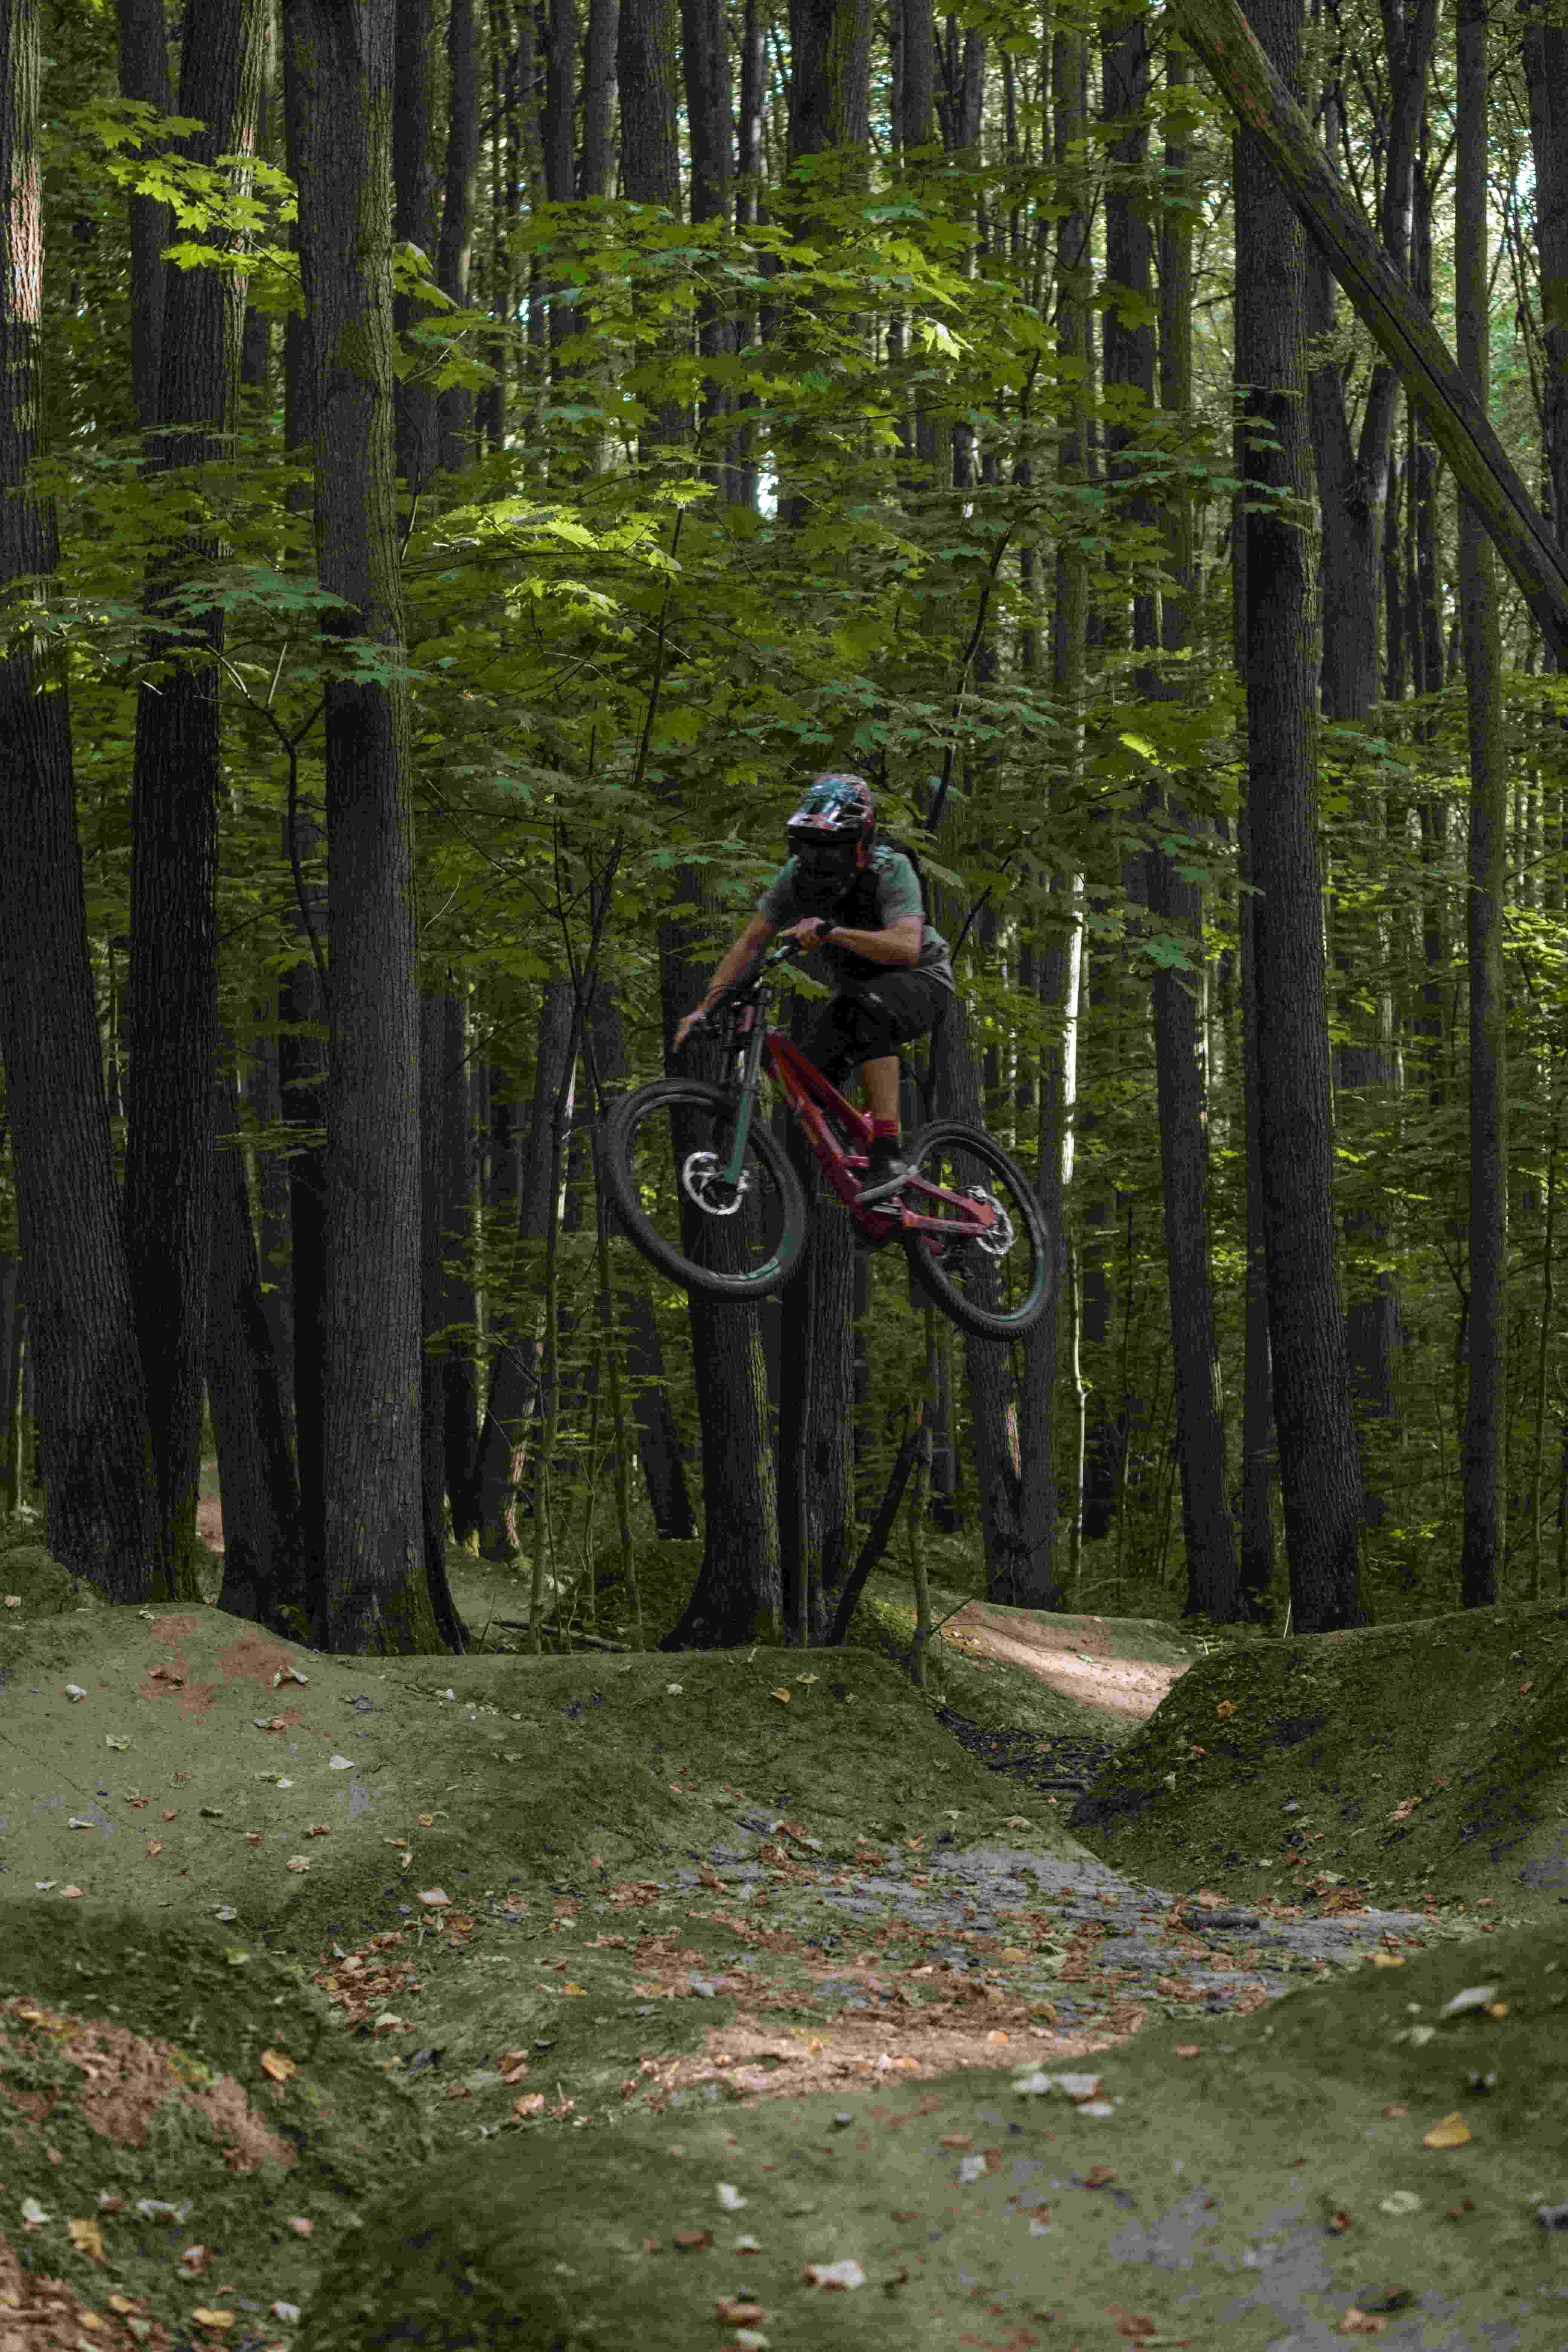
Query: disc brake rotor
(702, 1181)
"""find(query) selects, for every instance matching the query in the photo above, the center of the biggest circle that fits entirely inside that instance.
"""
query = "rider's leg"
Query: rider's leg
(881, 1077)
(886, 1174)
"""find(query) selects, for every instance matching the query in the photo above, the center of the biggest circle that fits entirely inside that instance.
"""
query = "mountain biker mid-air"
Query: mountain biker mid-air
(858, 903)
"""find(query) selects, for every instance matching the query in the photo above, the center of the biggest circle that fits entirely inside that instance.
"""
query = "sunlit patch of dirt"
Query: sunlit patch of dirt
(752, 2060)
(1075, 1660)
(127, 2078)
(44, 2314)
(209, 1521)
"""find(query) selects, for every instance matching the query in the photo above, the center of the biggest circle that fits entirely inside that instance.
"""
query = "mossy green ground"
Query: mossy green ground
(1430, 1756)
(519, 1789)
(1250, 2191)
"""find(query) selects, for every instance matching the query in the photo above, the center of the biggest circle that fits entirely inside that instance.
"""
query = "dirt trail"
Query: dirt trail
(1071, 1655)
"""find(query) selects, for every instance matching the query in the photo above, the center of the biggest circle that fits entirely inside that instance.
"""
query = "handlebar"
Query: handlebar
(788, 951)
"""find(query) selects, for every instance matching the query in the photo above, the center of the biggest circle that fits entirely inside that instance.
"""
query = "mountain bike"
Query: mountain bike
(704, 1188)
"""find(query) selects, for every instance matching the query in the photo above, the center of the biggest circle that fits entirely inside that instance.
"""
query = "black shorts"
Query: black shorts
(864, 1023)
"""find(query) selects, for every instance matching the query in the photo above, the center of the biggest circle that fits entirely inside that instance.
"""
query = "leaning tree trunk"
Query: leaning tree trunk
(377, 1597)
(1267, 104)
(1318, 1467)
(173, 822)
(90, 1400)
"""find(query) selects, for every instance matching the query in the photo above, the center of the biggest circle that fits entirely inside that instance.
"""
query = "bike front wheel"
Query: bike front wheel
(666, 1150)
(990, 1274)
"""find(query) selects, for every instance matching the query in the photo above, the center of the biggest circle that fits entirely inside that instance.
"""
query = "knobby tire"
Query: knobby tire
(620, 1133)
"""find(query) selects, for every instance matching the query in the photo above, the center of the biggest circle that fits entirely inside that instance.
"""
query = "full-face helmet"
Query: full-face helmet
(831, 831)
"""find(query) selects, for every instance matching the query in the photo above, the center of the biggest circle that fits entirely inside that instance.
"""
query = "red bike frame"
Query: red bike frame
(809, 1094)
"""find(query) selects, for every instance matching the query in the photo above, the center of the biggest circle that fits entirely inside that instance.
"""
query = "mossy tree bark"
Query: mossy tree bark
(172, 998)
(377, 1596)
(1319, 1472)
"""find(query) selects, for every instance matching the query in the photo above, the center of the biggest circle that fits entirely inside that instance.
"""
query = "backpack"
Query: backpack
(857, 905)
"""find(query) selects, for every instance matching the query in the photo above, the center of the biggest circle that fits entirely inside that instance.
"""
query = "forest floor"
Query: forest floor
(780, 2019)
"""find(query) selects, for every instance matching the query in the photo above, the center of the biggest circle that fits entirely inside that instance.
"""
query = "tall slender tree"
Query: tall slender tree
(1319, 1474)
(174, 818)
(90, 1402)
(377, 1596)
(1485, 1405)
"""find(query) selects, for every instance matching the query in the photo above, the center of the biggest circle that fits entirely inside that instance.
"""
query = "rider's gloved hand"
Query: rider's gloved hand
(693, 1020)
(809, 934)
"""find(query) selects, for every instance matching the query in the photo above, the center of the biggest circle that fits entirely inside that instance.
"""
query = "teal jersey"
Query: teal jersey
(886, 888)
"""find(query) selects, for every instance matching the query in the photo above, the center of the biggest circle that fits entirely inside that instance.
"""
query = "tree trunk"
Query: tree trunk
(1352, 480)
(1257, 1400)
(144, 75)
(647, 67)
(1487, 1395)
(595, 155)
(432, 1303)
(413, 221)
(917, 60)
(514, 1371)
(90, 1400)
(1222, 36)
(817, 1409)
(738, 1593)
(174, 825)
(377, 1595)
(455, 405)
(264, 1093)
(830, 76)
(264, 1573)
(1545, 57)
(459, 1303)
(659, 1440)
(705, 55)
(302, 1073)
(1318, 1467)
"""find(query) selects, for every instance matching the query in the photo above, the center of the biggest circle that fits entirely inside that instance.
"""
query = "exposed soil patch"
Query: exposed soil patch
(1074, 1654)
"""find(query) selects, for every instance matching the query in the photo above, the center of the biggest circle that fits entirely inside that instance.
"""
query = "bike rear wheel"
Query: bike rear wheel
(997, 1283)
(665, 1151)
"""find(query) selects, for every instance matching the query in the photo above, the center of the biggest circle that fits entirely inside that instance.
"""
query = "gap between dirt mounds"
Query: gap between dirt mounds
(1428, 1755)
(1316, 2172)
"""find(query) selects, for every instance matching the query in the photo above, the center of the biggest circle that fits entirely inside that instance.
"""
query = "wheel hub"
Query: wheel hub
(702, 1181)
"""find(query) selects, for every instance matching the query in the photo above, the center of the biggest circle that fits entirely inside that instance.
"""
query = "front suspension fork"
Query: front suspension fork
(748, 1098)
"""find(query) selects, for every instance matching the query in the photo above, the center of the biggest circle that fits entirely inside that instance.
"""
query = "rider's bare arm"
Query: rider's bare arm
(736, 956)
(740, 953)
(899, 943)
